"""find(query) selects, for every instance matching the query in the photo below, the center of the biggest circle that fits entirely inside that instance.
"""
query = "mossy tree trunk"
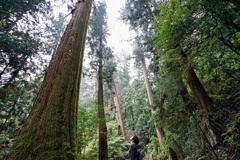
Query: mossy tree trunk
(50, 130)
(204, 102)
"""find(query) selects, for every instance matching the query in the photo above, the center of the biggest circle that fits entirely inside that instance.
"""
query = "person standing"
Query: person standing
(133, 151)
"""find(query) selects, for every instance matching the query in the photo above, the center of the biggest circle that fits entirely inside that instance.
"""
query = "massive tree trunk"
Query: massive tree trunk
(159, 131)
(102, 127)
(50, 131)
(121, 126)
(204, 102)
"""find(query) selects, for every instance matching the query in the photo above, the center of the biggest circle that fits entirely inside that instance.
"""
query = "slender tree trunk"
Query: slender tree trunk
(160, 134)
(159, 131)
(204, 102)
(50, 131)
(102, 128)
(147, 83)
(132, 118)
(121, 126)
(109, 102)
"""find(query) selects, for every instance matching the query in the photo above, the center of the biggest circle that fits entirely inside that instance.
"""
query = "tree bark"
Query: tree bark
(159, 131)
(121, 126)
(102, 128)
(147, 83)
(109, 102)
(132, 118)
(199, 93)
(203, 101)
(50, 131)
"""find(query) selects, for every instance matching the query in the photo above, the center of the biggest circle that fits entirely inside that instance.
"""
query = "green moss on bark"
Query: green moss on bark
(50, 131)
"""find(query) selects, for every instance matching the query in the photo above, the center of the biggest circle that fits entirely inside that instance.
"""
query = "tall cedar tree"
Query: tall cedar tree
(97, 43)
(102, 128)
(51, 127)
(139, 53)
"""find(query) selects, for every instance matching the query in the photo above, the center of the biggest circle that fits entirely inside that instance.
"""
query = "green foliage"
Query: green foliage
(14, 110)
(197, 28)
(135, 102)
(207, 31)
(109, 66)
(87, 129)
(138, 14)
(97, 31)
(97, 43)
(88, 135)
(232, 135)
(138, 52)
(17, 49)
(117, 148)
(53, 34)
(13, 11)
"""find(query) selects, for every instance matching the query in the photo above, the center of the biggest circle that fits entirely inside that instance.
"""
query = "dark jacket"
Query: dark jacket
(133, 152)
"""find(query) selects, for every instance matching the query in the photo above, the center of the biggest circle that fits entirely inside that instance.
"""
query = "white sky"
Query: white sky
(120, 35)
(119, 31)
